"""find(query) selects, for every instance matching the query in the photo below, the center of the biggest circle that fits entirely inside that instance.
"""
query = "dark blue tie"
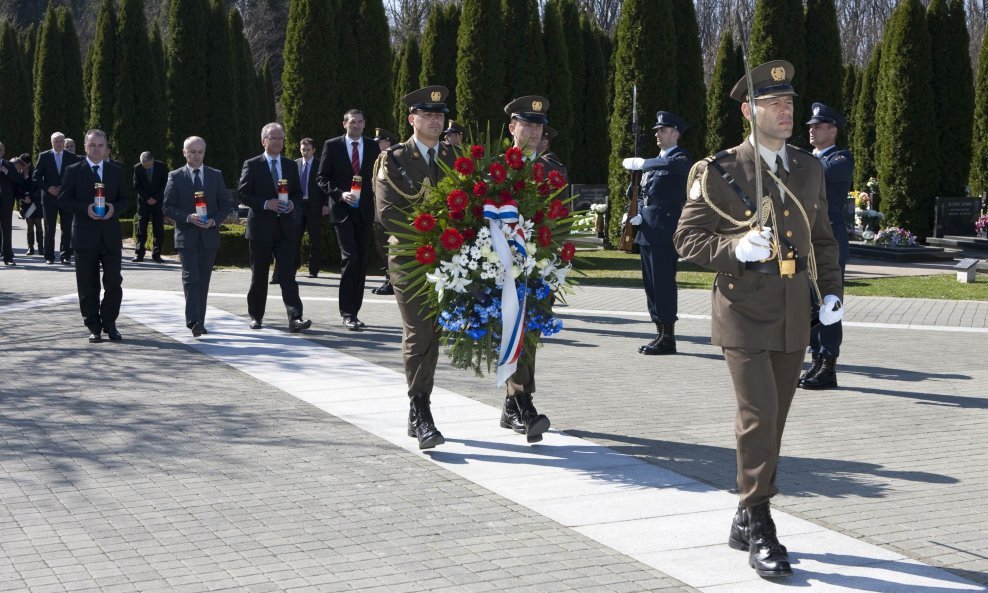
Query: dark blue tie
(197, 182)
(96, 172)
(274, 172)
(305, 179)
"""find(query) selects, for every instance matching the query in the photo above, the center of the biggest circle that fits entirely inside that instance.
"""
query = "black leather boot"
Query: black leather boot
(655, 340)
(664, 343)
(384, 288)
(817, 361)
(765, 554)
(535, 423)
(826, 377)
(421, 424)
(741, 531)
(510, 416)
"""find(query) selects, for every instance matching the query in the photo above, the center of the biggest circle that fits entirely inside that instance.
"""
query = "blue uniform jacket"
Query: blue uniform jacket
(661, 198)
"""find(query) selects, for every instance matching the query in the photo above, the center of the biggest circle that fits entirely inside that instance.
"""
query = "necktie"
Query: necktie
(274, 172)
(305, 179)
(196, 181)
(780, 169)
(432, 163)
(355, 159)
(58, 162)
(150, 172)
(96, 172)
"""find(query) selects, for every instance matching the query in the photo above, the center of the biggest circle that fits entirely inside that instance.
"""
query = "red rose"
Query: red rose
(469, 234)
(451, 240)
(463, 166)
(477, 151)
(519, 185)
(557, 210)
(538, 172)
(538, 217)
(557, 180)
(498, 172)
(567, 252)
(544, 190)
(457, 200)
(426, 254)
(514, 157)
(457, 214)
(478, 211)
(424, 222)
(545, 236)
(504, 196)
(480, 189)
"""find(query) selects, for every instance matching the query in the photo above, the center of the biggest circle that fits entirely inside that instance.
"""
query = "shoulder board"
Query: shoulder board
(802, 150)
(720, 155)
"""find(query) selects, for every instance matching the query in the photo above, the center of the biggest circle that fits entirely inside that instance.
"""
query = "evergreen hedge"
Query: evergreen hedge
(724, 128)
(953, 98)
(691, 93)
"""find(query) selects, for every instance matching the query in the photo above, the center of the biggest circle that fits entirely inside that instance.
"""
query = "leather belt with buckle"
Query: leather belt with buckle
(787, 267)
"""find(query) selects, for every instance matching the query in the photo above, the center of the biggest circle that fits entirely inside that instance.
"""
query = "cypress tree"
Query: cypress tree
(304, 89)
(188, 74)
(724, 127)
(374, 85)
(521, 22)
(87, 80)
(954, 98)
(49, 92)
(559, 79)
(691, 99)
(406, 81)
(863, 145)
(979, 159)
(158, 103)
(643, 32)
(220, 130)
(439, 50)
(102, 66)
(29, 43)
(135, 109)
(824, 75)
(15, 107)
(576, 134)
(776, 35)
(595, 142)
(72, 74)
(348, 66)
(480, 65)
(246, 96)
(268, 107)
(908, 170)
(849, 98)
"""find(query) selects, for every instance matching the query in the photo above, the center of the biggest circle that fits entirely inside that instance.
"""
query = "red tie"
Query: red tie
(355, 159)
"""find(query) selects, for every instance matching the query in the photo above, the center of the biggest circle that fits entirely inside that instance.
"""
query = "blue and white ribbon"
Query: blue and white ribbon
(512, 308)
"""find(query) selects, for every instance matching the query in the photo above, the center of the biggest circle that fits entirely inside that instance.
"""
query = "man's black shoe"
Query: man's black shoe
(50, 262)
(95, 337)
(66, 261)
(157, 259)
(351, 323)
(385, 288)
(113, 334)
(137, 259)
(9, 262)
(203, 329)
(765, 554)
(30, 250)
(313, 275)
(297, 325)
(256, 324)
(825, 377)
(196, 329)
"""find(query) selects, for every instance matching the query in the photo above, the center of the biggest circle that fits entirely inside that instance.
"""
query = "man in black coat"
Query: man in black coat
(309, 217)
(150, 177)
(48, 178)
(11, 181)
(96, 238)
(271, 226)
(660, 201)
(352, 214)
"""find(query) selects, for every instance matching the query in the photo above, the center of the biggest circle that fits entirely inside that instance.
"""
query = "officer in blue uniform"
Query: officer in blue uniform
(838, 168)
(660, 201)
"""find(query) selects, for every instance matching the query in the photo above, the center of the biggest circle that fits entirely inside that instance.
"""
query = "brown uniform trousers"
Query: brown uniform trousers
(761, 320)
(420, 335)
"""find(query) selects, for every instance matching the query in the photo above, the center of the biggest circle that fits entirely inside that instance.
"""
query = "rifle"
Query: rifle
(627, 243)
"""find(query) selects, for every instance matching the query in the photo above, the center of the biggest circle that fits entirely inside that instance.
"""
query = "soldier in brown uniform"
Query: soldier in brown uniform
(403, 173)
(766, 280)
(528, 119)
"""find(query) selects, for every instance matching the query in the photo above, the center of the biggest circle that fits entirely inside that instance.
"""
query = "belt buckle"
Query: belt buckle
(787, 268)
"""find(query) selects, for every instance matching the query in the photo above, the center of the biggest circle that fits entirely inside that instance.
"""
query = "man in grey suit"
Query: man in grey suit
(197, 237)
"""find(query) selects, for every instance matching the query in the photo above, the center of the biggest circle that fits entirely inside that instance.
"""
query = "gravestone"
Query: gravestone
(586, 195)
(956, 216)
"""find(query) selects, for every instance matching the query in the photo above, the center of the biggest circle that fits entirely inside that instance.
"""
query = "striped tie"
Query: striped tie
(355, 159)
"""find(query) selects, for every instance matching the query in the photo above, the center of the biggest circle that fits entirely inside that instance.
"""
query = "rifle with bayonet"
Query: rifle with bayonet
(627, 243)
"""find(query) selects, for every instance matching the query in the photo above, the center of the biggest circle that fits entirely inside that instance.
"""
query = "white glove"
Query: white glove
(755, 246)
(637, 220)
(624, 219)
(831, 312)
(633, 163)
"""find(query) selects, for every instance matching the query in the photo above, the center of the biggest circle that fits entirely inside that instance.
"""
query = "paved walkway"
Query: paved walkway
(263, 461)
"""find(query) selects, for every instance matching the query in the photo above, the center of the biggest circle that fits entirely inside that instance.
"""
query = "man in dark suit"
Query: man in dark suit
(197, 237)
(838, 169)
(661, 197)
(48, 177)
(11, 181)
(150, 177)
(352, 214)
(96, 238)
(271, 226)
(385, 139)
(308, 218)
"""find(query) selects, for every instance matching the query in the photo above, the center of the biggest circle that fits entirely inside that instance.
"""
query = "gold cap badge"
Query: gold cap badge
(437, 96)
(778, 74)
(536, 105)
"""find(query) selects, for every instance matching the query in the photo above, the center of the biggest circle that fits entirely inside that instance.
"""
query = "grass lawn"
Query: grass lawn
(616, 268)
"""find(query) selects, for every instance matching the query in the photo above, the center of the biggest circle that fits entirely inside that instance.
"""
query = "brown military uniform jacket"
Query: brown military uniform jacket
(751, 309)
(551, 162)
(403, 167)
